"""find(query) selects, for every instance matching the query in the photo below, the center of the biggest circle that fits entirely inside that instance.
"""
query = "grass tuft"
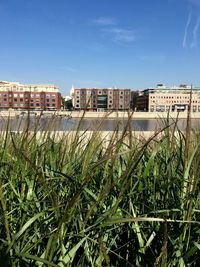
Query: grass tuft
(90, 199)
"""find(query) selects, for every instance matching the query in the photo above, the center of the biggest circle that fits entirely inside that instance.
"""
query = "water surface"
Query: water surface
(47, 123)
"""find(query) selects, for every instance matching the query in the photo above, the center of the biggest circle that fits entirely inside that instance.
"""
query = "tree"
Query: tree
(134, 95)
(68, 104)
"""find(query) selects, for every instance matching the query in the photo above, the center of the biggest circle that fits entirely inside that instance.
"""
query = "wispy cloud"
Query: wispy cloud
(121, 34)
(190, 38)
(114, 31)
(195, 2)
(186, 29)
(105, 21)
(195, 31)
(97, 47)
(70, 69)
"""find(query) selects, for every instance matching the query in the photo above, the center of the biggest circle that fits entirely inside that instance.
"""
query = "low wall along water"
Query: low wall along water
(62, 123)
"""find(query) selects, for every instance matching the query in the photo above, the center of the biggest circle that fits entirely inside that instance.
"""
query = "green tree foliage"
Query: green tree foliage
(67, 104)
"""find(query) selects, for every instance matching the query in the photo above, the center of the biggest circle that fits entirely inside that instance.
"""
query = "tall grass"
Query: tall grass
(85, 199)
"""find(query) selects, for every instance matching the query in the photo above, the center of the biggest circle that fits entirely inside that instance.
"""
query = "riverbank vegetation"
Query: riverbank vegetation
(90, 200)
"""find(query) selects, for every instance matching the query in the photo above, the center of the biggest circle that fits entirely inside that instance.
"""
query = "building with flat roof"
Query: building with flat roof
(14, 95)
(168, 98)
(96, 99)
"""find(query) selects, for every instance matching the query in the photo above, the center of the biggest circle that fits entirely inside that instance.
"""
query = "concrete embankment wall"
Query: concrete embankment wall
(112, 115)
(135, 115)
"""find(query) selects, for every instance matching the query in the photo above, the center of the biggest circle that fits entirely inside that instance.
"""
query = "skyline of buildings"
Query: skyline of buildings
(161, 98)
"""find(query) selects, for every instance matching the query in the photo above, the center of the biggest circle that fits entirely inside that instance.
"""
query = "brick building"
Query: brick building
(93, 99)
(164, 98)
(14, 95)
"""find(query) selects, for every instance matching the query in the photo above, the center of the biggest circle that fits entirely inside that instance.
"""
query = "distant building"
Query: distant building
(93, 99)
(14, 95)
(165, 98)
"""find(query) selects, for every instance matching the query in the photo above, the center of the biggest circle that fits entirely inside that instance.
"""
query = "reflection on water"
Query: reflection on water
(64, 124)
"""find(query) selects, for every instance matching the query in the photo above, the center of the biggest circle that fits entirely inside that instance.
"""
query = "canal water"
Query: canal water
(65, 124)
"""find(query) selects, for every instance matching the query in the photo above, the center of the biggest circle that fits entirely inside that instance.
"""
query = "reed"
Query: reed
(88, 200)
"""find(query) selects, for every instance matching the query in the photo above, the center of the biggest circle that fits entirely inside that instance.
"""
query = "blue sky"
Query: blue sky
(100, 43)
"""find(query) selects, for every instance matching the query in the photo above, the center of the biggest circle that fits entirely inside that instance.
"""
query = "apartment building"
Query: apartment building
(14, 95)
(166, 98)
(95, 99)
